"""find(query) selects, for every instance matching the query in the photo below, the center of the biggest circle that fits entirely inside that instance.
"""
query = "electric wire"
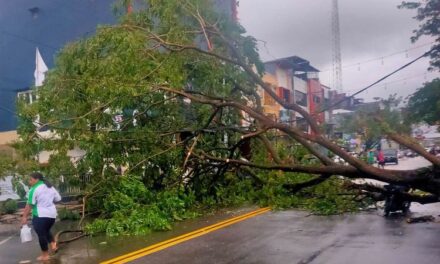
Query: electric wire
(376, 82)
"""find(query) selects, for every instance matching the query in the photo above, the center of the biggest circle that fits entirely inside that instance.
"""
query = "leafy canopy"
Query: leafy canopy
(118, 72)
(424, 104)
(428, 13)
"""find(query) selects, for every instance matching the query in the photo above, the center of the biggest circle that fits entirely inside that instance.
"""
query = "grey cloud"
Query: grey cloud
(369, 29)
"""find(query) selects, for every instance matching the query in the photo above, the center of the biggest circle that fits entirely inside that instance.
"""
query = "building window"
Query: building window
(312, 75)
(301, 98)
(302, 124)
(316, 99)
(28, 96)
(326, 102)
(285, 116)
(284, 94)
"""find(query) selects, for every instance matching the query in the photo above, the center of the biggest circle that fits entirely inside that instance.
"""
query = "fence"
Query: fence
(74, 189)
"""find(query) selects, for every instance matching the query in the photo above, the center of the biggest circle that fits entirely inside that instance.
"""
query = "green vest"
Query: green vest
(31, 201)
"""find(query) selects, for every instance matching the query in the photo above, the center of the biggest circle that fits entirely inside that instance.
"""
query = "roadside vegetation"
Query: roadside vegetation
(127, 207)
(8, 207)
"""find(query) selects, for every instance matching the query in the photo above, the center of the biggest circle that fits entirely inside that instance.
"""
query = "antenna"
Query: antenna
(337, 60)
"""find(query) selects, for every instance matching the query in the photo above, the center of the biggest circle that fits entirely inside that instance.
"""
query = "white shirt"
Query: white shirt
(42, 200)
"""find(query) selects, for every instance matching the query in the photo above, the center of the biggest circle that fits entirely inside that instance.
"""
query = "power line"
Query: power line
(376, 82)
(395, 81)
(381, 57)
(354, 64)
(366, 88)
(8, 110)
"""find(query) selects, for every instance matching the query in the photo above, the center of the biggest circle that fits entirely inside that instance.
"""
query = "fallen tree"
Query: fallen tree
(170, 95)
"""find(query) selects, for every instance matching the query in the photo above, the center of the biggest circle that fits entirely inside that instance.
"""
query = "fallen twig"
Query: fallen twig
(421, 219)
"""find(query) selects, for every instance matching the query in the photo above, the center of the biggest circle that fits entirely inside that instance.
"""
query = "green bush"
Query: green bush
(9, 207)
(130, 208)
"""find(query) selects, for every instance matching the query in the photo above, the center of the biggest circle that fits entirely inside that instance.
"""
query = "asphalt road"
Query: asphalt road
(292, 237)
(275, 237)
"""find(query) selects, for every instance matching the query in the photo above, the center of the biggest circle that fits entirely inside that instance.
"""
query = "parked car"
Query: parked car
(390, 156)
(410, 154)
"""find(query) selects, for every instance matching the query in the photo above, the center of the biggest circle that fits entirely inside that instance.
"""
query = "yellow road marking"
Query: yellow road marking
(177, 240)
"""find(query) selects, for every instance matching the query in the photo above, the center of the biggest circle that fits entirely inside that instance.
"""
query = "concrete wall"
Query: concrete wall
(8, 137)
(48, 25)
(300, 85)
(282, 78)
(75, 155)
(316, 91)
(272, 108)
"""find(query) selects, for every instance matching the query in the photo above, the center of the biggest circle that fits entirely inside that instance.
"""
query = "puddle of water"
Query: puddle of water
(99, 248)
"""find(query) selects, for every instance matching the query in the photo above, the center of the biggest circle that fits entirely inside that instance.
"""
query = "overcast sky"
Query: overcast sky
(370, 30)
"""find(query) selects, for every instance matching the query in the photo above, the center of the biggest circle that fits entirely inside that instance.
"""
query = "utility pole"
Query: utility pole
(337, 60)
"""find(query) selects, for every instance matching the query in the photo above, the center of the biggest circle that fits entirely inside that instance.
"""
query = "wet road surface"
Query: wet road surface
(92, 250)
(294, 237)
(274, 237)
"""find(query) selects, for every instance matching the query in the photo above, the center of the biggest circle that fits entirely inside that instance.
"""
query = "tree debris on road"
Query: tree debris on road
(420, 219)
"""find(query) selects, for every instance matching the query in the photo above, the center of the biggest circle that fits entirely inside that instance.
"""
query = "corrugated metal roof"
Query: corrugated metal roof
(295, 63)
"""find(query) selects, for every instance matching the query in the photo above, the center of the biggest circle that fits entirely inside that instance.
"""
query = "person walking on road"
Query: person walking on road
(381, 159)
(41, 202)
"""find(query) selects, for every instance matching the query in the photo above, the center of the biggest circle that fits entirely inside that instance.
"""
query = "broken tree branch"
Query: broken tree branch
(372, 188)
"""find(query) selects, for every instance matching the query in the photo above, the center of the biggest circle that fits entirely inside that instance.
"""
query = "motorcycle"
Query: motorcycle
(394, 199)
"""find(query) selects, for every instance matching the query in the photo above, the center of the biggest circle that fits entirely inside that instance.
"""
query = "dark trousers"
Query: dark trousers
(42, 226)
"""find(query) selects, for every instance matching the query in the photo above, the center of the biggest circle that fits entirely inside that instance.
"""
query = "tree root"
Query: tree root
(80, 232)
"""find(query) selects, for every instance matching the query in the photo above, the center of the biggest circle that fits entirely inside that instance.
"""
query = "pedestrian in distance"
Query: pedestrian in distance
(370, 158)
(41, 202)
(381, 159)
